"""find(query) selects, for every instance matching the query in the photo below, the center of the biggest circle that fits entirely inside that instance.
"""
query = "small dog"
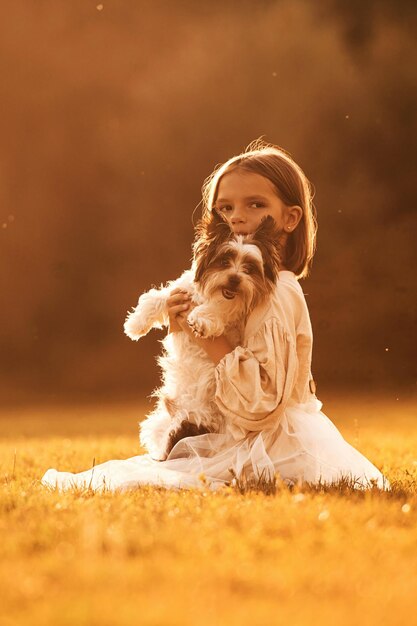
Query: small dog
(230, 275)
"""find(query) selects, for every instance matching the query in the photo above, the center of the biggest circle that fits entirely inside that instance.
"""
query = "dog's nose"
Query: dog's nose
(234, 282)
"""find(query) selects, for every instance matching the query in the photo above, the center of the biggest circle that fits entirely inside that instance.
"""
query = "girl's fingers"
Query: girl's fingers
(188, 305)
(177, 298)
(178, 304)
(178, 290)
(181, 308)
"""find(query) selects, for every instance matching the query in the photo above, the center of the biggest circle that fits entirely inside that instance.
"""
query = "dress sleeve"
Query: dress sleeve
(254, 383)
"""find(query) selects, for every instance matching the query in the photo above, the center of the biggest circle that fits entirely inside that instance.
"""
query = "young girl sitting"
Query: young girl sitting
(264, 387)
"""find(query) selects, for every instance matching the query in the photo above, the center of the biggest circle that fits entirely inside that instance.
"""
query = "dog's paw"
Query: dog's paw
(136, 326)
(201, 327)
(182, 431)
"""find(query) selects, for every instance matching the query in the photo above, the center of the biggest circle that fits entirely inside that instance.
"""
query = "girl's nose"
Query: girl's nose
(237, 216)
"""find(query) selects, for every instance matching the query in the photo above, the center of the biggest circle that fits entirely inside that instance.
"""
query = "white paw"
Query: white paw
(201, 327)
(136, 326)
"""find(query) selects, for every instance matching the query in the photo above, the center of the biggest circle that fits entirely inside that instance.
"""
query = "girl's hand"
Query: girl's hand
(178, 304)
(181, 319)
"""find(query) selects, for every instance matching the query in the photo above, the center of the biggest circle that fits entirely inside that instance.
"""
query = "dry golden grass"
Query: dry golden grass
(157, 557)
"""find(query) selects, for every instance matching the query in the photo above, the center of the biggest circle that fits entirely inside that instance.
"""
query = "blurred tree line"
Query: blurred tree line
(112, 116)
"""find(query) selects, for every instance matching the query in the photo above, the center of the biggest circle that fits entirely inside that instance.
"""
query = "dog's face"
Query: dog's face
(239, 267)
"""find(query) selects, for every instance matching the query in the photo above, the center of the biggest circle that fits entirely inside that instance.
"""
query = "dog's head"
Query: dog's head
(237, 266)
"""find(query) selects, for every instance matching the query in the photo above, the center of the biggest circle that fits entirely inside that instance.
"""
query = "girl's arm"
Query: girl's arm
(216, 347)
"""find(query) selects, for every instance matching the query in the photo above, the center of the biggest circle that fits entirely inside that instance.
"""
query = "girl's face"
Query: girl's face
(244, 198)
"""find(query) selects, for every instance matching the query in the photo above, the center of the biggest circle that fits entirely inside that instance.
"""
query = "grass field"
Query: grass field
(157, 557)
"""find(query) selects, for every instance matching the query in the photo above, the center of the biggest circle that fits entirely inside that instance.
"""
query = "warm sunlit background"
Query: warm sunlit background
(112, 115)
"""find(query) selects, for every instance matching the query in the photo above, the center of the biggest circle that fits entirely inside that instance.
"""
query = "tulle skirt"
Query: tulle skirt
(304, 447)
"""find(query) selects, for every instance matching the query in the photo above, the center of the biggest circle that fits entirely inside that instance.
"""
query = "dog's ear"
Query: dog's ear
(267, 238)
(207, 242)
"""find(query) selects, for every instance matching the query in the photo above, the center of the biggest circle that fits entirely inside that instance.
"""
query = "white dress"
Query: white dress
(274, 424)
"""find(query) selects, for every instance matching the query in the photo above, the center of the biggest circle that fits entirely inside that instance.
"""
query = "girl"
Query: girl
(264, 387)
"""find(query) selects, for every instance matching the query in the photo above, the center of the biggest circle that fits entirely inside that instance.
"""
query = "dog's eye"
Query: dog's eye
(249, 268)
(224, 262)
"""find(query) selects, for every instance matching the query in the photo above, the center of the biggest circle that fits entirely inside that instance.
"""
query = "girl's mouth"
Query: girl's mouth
(228, 294)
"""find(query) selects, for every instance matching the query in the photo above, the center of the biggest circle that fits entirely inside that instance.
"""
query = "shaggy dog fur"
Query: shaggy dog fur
(230, 276)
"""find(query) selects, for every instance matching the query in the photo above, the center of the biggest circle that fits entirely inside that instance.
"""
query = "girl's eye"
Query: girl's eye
(227, 208)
